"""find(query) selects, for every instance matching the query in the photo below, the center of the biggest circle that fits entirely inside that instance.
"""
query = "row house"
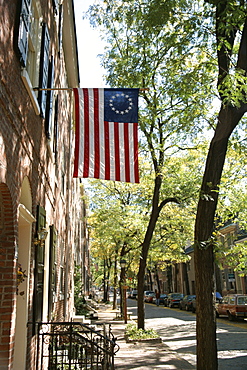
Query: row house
(180, 277)
(226, 279)
(42, 216)
(170, 277)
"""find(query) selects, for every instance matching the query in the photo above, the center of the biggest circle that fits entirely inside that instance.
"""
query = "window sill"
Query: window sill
(29, 87)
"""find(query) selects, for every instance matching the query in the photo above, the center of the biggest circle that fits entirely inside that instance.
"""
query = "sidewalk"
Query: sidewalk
(136, 355)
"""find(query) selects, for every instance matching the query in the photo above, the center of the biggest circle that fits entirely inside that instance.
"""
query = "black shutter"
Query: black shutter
(44, 69)
(55, 5)
(49, 101)
(41, 219)
(39, 268)
(52, 270)
(24, 24)
(55, 129)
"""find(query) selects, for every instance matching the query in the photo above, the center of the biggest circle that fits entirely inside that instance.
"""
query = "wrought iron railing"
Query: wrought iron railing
(75, 346)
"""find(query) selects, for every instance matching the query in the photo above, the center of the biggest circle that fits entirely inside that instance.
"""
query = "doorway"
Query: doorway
(25, 221)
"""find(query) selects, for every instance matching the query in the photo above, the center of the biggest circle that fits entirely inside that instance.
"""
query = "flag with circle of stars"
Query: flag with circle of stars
(106, 134)
(121, 105)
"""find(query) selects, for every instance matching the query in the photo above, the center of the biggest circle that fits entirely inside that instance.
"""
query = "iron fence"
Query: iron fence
(75, 346)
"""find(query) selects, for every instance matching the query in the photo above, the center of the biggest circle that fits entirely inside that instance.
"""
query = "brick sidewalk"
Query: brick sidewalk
(136, 355)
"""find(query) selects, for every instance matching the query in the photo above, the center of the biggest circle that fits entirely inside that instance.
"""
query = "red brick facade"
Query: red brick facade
(36, 167)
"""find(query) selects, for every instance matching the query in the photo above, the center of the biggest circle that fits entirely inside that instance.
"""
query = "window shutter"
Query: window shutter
(55, 5)
(44, 69)
(39, 268)
(24, 24)
(55, 129)
(49, 101)
(52, 270)
(41, 218)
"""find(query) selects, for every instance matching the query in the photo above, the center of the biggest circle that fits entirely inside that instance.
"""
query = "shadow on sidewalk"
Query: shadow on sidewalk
(137, 355)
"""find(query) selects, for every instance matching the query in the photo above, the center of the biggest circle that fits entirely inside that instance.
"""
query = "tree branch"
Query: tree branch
(242, 52)
(225, 39)
(167, 200)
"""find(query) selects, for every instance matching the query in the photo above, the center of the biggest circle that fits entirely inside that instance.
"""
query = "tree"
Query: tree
(150, 43)
(114, 228)
(120, 212)
(231, 37)
(156, 44)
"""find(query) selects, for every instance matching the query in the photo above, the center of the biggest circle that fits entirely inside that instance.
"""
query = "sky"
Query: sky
(89, 46)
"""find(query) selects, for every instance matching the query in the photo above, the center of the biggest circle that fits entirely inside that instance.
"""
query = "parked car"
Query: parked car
(133, 294)
(233, 306)
(149, 295)
(162, 298)
(173, 299)
(186, 302)
(218, 298)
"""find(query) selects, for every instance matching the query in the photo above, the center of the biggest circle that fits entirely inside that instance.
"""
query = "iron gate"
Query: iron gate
(75, 346)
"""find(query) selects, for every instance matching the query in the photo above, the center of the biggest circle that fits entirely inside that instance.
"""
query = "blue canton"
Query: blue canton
(121, 105)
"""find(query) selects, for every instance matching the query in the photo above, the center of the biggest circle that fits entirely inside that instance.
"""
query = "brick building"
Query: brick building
(42, 227)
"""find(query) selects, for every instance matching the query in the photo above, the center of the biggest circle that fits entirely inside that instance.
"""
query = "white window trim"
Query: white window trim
(31, 93)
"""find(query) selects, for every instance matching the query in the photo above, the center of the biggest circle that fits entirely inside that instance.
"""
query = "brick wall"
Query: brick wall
(25, 153)
(7, 278)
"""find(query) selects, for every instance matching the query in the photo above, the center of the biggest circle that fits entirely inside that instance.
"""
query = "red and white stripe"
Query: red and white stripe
(103, 150)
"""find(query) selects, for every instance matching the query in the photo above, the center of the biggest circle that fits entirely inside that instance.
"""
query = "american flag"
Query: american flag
(106, 141)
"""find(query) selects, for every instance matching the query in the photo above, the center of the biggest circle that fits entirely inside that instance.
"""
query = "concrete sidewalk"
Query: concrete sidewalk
(136, 355)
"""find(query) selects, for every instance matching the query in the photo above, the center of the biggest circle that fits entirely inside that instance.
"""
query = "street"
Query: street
(178, 331)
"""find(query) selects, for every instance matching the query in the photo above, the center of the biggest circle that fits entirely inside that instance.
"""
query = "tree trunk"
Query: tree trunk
(121, 283)
(156, 208)
(157, 278)
(185, 279)
(203, 250)
(114, 303)
(169, 278)
(105, 283)
(145, 247)
(206, 320)
(150, 280)
(175, 277)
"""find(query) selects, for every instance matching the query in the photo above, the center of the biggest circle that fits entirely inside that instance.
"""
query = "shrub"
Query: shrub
(133, 333)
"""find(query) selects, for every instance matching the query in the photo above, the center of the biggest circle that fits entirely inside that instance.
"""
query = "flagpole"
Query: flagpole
(71, 88)
(52, 88)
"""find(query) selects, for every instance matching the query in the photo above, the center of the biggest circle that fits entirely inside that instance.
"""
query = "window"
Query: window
(63, 171)
(44, 69)
(61, 281)
(33, 48)
(55, 129)
(55, 6)
(49, 99)
(188, 266)
(242, 300)
(34, 43)
(230, 239)
(28, 45)
(24, 25)
(61, 271)
(225, 300)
